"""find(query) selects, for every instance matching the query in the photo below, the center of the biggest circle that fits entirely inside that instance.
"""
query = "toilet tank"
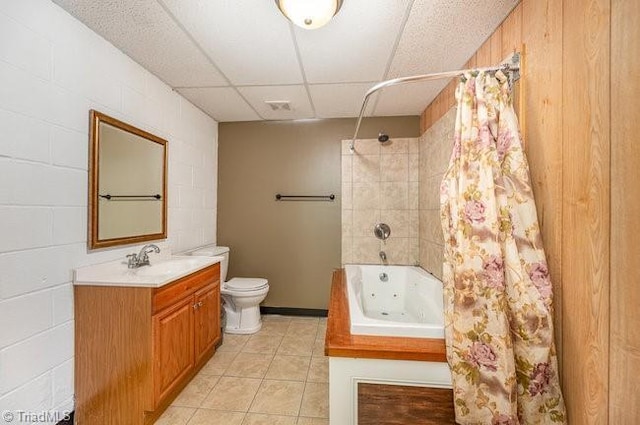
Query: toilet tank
(214, 251)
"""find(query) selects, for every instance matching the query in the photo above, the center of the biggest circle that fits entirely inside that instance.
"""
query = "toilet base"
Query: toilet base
(242, 320)
(243, 331)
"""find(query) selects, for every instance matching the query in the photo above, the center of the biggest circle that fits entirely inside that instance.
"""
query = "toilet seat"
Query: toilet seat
(245, 284)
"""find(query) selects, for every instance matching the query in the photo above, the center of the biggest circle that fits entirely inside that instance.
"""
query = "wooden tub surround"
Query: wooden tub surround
(374, 379)
(138, 347)
(339, 342)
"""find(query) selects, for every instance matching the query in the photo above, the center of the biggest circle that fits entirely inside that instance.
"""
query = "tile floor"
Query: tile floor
(278, 376)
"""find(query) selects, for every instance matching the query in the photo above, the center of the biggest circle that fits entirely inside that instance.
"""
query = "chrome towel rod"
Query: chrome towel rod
(115, 197)
(510, 66)
(329, 198)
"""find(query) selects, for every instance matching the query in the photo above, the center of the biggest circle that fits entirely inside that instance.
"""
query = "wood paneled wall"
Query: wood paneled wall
(624, 351)
(578, 62)
(585, 208)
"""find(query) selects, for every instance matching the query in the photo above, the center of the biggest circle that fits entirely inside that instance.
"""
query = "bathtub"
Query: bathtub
(408, 303)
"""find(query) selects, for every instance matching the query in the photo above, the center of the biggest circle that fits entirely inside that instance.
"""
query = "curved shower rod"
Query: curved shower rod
(512, 66)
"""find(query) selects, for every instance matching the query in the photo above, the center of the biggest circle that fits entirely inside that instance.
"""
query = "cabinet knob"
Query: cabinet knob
(200, 304)
(195, 306)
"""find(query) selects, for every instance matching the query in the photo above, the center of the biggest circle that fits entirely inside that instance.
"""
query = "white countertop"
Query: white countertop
(159, 273)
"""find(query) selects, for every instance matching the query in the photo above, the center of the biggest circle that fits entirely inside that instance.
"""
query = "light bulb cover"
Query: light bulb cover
(309, 14)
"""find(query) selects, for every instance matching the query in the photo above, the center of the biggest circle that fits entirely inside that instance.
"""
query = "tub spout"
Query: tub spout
(383, 256)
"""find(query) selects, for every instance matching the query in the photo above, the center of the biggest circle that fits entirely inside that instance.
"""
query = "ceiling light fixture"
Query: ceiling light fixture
(309, 14)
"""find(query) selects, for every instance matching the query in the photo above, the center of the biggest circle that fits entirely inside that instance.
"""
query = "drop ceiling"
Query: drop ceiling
(229, 57)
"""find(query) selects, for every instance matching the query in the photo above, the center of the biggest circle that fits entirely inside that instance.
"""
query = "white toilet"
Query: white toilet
(241, 295)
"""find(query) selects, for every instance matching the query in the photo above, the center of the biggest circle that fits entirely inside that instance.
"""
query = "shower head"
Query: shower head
(383, 137)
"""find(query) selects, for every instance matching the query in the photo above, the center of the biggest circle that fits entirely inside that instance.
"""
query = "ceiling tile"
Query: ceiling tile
(296, 95)
(356, 45)
(407, 99)
(223, 104)
(441, 35)
(205, 45)
(340, 100)
(250, 41)
(144, 31)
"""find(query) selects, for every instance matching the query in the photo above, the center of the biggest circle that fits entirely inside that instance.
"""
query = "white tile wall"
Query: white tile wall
(53, 69)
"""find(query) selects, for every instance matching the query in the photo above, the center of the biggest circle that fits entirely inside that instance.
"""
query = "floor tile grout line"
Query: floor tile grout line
(254, 396)
(304, 389)
(203, 399)
(209, 392)
(192, 415)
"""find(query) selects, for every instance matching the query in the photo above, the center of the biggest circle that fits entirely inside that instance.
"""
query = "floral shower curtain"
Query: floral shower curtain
(498, 312)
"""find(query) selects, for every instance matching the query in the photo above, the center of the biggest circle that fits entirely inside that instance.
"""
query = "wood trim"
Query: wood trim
(93, 241)
(339, 342)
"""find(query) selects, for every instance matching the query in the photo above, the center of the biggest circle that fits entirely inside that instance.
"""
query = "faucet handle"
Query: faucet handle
(132, 260)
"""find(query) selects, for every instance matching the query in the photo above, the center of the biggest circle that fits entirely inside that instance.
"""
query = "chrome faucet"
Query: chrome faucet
(383, 255)
(141, 259)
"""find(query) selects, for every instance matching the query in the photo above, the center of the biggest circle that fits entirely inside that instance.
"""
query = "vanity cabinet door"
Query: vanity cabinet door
(173, 347)
(207, 319)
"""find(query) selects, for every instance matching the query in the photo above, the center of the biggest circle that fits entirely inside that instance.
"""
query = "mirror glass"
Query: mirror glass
(127, 184)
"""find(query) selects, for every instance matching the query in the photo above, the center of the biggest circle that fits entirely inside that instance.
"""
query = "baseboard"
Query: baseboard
(67, 421)
(291, 311)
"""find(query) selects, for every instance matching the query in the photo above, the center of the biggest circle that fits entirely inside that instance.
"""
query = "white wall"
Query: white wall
(52, 71)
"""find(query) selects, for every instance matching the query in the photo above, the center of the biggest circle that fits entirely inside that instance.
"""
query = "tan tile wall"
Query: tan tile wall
(435, 146)
(397, 184)
(380, 184)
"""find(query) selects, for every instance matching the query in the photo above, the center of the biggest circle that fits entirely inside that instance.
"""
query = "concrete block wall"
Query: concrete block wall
(53, 70)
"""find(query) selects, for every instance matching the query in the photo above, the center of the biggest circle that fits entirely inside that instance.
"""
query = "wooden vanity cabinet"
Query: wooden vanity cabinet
(173, 348)
(136, 348)
(184, 336)
(207, 320)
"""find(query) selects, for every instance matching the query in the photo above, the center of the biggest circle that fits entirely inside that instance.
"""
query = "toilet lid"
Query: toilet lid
(246, 284)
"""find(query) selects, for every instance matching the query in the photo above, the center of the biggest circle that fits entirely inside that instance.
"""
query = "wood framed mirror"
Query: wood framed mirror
(127, 184)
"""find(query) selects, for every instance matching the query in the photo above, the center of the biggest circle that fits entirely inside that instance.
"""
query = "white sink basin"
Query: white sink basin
(171, 266)
(159, 273)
